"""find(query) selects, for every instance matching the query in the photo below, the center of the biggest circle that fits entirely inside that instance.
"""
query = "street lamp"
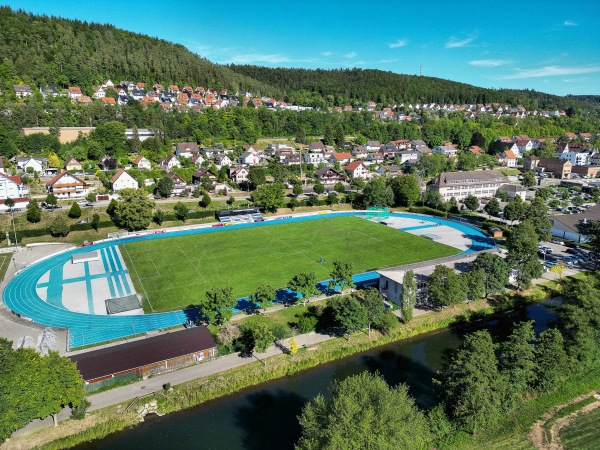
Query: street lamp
(11, 203)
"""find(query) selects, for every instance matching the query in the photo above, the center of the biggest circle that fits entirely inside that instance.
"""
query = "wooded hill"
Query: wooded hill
(357, 86)
(40, 49)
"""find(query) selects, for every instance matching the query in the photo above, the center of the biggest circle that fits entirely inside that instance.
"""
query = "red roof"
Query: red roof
(58, 176)
(117, 175)
(108, 100)
(138, 159)
(509, 154)
(342, 156)
(354, 165)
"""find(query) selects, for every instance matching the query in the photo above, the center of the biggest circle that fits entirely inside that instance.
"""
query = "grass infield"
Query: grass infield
(176, 272)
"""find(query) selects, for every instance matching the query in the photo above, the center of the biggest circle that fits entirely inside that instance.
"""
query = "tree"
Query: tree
(206, 200)
(544, 193)
(297, 189)
(529, 179)
(341, 275)
(372, 302)
(515, 210)
(231, 200)
(62, 385)
(54, 160)
(59, 227)
(409, 296)
(34, 214)
(228, 334)
(364, 412)
(495, 271)
(478, 139)
(537, 214)
(471, 202)
(474, 284)
(263, 296)
(470, 383)
(95, 221)
(551, 361)
(444, 287)
(332, 198)
(133, 211)
(75, 211)
(293, 346)
(376, 193)
(269, 196)
(522, 247)
(181, 211)
(492, 208)
(164, 187)
(339, 187)
(293, 203)
(51, 200)
(406, 190)
(218, 305)
(517, 359)
(319, 188)
(305, 284)
(434, 200)
(258, 336)
(111, 138)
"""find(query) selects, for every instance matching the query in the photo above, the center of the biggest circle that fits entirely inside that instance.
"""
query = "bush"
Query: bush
(78, 412)
(59, 227)
(307, 323)
(281, 331)
(387, 323)
(75, 211)
(427, 210)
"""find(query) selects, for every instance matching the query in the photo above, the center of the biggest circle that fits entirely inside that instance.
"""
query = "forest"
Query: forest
(40, 49)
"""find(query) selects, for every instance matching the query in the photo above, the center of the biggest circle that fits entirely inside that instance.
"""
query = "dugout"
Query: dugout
(145, 357)
(248, 214)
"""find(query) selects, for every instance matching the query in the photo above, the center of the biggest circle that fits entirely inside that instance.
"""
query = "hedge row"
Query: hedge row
(427, 210)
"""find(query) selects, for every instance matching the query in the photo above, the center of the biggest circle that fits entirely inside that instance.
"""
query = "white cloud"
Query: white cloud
(570, 23)
(454, 43)
(490, 62)
(350, 55)
(387, 61)
(256, 57)
(551, 71)
(326, 54)
(398, 43)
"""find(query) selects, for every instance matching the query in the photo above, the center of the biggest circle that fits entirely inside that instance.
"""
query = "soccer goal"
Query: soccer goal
(379, 213)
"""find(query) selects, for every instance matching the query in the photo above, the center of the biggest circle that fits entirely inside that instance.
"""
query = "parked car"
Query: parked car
(13, 210)
(558, 242)
(54, 207)
(84, 203)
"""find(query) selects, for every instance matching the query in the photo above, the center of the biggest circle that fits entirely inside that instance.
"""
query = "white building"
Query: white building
(567, 226)
(122, 180)
(11, 187)
(141, 162)
(479, 183)
(445, 150)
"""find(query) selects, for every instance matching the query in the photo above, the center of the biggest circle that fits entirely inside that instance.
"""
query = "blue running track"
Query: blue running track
(20, 294)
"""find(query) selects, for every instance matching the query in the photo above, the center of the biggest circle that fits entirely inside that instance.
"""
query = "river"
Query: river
(264, 417)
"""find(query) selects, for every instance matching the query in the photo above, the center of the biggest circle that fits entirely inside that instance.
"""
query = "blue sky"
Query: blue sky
(550, 46)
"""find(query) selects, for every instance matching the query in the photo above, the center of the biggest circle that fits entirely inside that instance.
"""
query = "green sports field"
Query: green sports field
(176, 272)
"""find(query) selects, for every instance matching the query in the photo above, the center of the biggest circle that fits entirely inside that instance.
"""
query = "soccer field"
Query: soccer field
(175, 273)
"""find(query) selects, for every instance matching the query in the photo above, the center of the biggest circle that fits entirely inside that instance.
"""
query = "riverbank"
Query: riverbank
(100, 423)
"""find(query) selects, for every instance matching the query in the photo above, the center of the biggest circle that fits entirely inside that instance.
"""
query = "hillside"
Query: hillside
(41, 49)
(357, 86)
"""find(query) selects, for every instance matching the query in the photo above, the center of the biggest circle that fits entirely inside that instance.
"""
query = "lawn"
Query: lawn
(4, 262)
(583, 432)
(176, 272)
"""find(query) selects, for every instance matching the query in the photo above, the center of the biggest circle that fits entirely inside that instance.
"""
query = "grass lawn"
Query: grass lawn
(176, 272)
(583, 432)
(4, 262)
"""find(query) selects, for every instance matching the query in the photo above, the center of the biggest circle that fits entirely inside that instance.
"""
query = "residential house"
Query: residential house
(574, 153)
(74, 92)
(122, 180)
(357, 169)
(316, 146)
(200, 174)
(360, 152)
(73, 164)
(249, 159)
(342, 158)
(31, 164)
(197, 160)
(22, 90)
(375, 158)
(585, 171)
(512, 146)
(314, 158)
(222, 160)
(568, 226)
(478, 183)
(238, 175)
(475, 149)
(84, 100)
(2, 170)
(292, 159)
(107, 84)
(142, 163)
(108, 163)
(109, 101)
(186, 149)
(446, 150)
(48, 90)
(66, 185)
(411, 156)
(372, 146)
(509, 159)
(329, 176)
(169, 163)
(422, 149)
(179, 184)
(570, 136)
(585, 136)
(389, 170)
(99, 92)
(223, 189)
(560, 168)
(12, 187)
(417, 143)
(525, 145)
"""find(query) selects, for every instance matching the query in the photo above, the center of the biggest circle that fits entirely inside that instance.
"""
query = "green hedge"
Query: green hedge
(427, 210)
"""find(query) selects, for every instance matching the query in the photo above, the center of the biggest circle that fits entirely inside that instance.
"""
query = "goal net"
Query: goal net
(378, 213)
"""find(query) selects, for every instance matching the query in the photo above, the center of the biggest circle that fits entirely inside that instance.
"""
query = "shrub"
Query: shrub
(75, 211)
(307, 323)
(78, 412)
(59, 227)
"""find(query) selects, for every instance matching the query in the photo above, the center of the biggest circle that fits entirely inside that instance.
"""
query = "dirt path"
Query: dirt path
(544, 439)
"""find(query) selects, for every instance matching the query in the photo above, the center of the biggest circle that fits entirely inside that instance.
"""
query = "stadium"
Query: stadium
(148, 281)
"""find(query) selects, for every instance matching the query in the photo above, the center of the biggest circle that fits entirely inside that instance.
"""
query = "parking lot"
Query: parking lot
(570, 257)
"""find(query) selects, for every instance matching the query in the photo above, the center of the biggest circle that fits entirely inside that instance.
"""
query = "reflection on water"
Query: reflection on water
(265, 417)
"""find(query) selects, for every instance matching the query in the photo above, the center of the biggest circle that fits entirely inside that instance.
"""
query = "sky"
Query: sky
(549, 46)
